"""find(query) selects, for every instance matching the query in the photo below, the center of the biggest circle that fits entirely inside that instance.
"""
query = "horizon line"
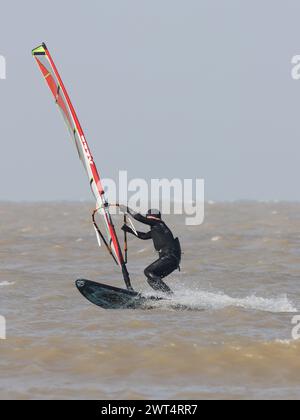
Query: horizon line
(208, 202)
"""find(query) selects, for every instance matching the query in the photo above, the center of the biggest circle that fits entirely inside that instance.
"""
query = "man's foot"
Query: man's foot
(160, 286)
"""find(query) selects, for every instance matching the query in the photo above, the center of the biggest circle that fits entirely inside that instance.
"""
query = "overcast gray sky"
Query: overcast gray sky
(163, 88)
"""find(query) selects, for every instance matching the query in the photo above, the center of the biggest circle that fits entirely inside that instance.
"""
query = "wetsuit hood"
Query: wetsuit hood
(154, 213)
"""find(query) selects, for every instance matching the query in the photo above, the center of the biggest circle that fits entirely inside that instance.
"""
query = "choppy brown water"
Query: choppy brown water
(240, 271)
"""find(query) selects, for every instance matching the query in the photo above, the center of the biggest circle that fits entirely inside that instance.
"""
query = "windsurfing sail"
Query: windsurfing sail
(62, 99)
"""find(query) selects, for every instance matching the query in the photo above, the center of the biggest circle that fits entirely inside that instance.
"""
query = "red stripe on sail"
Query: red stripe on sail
(54, 89)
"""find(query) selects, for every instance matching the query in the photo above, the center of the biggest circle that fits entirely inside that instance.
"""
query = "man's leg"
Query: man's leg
(157, 271)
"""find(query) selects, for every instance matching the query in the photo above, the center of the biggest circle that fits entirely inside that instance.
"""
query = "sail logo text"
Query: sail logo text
(2, 328)
(86, 149)
(2, 67)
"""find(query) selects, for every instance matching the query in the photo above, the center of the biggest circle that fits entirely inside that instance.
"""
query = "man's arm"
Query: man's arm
(140, 235)
(137, 216)
(144, 235)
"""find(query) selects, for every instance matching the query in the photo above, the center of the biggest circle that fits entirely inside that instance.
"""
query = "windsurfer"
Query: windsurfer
(164, 243)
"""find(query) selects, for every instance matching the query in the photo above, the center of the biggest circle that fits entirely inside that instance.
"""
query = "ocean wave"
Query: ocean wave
(6, 283)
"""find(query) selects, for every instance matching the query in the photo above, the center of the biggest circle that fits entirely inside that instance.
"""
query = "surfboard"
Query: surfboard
(110, 297)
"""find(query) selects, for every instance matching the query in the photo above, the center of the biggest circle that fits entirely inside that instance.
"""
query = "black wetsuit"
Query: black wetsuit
(167, 246)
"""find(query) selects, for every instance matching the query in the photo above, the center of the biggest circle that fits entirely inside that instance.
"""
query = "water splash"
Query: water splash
(203, 300)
